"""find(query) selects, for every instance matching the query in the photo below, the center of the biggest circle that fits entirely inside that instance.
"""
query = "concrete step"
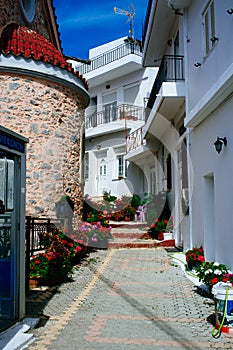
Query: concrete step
(131, 234)
(137, 243)
(128, 224)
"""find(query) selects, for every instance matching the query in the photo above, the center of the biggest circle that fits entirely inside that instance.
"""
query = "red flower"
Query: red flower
(201, 258)
(37, 262)
(214, 280)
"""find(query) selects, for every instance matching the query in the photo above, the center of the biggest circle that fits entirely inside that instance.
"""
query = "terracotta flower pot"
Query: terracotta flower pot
(33, 283)
(160, 236)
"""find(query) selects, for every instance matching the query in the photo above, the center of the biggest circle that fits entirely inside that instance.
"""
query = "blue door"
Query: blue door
(8, 234)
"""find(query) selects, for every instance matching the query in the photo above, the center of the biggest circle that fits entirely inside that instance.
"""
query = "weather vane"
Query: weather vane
(130, 13)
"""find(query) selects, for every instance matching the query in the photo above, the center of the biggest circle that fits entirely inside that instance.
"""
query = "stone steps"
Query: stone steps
(134, 235)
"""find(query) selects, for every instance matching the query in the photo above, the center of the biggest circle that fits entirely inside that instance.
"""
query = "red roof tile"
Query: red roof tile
(19, 40)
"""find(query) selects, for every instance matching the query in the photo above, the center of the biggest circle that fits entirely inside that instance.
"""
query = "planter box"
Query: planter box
(193, 264)
(100, 244)
(167, 235)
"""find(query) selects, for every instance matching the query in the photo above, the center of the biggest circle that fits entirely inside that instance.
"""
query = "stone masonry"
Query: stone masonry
(51, 116)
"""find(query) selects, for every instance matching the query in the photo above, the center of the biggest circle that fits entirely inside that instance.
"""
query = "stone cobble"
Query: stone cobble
(128, 299)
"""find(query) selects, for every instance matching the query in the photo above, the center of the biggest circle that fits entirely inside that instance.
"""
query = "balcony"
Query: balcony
(128, 48)
(134, 140)
(113, 113)
(168, 87)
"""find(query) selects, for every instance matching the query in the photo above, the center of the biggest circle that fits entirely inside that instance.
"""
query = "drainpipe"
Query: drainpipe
(189, 130)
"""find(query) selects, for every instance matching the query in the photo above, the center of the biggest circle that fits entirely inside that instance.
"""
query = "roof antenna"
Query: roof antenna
(130, 13)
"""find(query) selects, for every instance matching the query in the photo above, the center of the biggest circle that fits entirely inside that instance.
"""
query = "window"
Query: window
(103, 168)
(208, 22)
(122, 166)
(130, 94)
(86, 166)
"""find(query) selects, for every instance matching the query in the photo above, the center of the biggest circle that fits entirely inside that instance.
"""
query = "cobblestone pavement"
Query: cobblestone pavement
(127, 299)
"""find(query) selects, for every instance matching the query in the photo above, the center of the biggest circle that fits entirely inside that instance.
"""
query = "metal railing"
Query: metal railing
(114, 113)
(111, 56)
(170, 69)
(134, 140)
(36, 228)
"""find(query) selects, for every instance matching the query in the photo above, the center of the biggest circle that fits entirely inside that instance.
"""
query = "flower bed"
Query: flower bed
(112, 208)
(55, 264)
(92, 234)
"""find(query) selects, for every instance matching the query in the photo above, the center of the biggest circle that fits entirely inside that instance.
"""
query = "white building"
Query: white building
(163, 157)
(191, 101)
(209, 106)
(118, 87)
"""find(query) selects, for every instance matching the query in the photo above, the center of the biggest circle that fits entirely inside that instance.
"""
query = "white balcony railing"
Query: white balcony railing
(134, 140)
(115, 113)
(128, 48)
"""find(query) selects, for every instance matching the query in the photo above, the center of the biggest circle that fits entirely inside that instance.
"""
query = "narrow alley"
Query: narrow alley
(125, 299)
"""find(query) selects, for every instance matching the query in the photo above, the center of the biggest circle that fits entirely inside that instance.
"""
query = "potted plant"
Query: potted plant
(212, 272)
(159, 227)
(128, 212)
(194, 257)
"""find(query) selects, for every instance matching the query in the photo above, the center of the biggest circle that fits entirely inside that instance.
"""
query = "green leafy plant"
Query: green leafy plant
(161, 226)
(135, 201)
(108, 197)
(55, 264)
(212, 272)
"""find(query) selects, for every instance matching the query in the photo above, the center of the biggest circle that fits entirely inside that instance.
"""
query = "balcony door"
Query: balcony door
(110, 107)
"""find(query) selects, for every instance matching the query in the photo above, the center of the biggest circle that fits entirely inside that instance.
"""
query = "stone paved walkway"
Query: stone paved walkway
(127, 299)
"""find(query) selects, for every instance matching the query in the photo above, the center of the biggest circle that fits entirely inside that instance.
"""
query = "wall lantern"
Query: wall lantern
(219, 142)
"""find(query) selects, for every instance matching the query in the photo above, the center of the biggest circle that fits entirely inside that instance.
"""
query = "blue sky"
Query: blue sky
(84, 24)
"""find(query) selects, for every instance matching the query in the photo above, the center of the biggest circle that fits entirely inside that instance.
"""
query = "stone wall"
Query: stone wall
(51, 116)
